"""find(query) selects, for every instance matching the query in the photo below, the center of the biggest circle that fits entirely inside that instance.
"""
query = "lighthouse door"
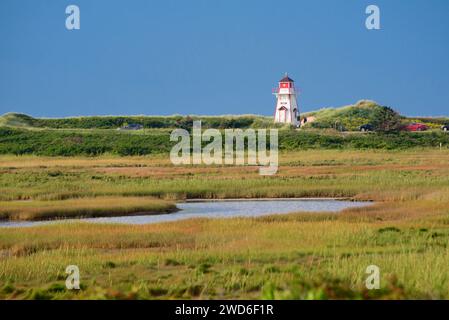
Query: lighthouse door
(282, 114)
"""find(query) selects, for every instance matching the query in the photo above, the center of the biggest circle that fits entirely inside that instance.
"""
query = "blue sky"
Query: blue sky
(220, 56)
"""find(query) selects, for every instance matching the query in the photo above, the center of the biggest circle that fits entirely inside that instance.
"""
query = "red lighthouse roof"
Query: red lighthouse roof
(286, 79)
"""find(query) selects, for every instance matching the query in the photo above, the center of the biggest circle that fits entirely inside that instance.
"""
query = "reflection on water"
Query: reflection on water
(217, 209)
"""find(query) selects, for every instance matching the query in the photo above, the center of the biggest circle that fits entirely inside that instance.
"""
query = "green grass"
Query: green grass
(88, 142)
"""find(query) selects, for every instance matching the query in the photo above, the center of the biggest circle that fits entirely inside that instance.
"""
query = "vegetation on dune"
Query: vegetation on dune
(351, 117)
(85, 207)
(151, 122)
(16, 120)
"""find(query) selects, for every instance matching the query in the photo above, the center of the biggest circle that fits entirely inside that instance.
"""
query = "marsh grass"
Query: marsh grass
(291, 256)
(229, 258)
(367, 175)
(84, 207)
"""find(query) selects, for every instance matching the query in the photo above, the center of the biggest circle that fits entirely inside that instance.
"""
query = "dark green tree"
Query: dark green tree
(385, 119)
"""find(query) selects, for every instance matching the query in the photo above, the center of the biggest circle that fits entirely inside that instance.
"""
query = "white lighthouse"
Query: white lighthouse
(286, 102)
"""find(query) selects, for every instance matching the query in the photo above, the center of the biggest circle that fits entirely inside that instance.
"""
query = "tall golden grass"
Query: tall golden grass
(84, 207)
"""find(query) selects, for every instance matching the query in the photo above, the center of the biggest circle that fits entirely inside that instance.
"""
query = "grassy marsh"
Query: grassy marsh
(299, 255)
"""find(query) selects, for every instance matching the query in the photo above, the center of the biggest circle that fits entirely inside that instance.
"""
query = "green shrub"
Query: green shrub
(93, 143)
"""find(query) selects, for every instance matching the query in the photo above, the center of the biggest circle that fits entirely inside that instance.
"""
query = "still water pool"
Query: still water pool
(217, 209)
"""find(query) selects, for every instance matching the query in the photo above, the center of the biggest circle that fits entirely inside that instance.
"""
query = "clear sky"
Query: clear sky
(220, 56)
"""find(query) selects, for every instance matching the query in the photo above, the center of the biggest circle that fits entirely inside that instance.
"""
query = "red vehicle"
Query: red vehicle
(416, 127)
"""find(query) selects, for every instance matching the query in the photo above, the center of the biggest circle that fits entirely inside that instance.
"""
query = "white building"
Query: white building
(286, 102)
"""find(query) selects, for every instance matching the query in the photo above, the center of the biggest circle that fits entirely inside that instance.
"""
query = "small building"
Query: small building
(286, 102)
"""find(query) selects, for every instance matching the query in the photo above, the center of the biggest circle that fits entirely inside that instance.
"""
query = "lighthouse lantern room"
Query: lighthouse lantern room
(286, 102)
